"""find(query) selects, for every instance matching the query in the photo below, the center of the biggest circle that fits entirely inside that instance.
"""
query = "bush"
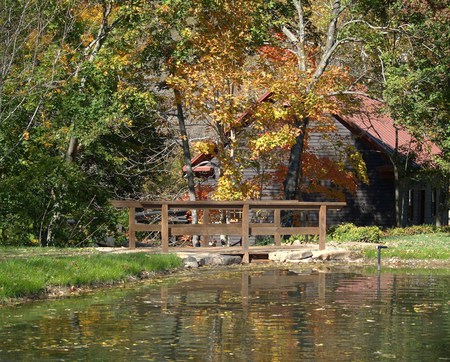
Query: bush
(264, 240)
(351, 232)
(417, 230)
(302, 238)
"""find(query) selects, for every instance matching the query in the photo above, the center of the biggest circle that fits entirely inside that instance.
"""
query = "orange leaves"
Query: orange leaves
(275, 54)
(327, 177)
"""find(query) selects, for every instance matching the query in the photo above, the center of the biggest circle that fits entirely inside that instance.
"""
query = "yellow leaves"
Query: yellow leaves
(89, 13)
(205, 147)
(359, 166)
(230, 188)
(282, 138)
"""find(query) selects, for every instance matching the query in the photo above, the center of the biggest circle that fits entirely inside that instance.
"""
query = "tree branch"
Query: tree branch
(356, 93)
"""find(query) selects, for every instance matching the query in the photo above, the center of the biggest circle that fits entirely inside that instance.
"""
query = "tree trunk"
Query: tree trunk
(400, 187)
(72, 149)
(294, 174)
(187, 158)
(442, 216)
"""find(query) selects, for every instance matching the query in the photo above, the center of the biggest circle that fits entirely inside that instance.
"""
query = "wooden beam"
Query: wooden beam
(131, 228)
(206, 234)
(147, 227)
(204, 229)
(277, 223)
(245, 233)
(212, 204)
(322, 226)
(244, 229)
(165, 228)
(257, 229)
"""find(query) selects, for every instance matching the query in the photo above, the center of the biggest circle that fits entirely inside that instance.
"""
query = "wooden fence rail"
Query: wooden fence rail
(244, 228)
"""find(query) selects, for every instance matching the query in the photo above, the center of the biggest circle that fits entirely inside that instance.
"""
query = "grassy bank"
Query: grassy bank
(411, 247)
(37, 274)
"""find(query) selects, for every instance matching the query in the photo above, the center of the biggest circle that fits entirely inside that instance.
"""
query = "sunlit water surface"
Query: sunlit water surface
(262, 315)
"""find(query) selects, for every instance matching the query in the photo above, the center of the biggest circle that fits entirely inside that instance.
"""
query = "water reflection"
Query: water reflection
(265, 315)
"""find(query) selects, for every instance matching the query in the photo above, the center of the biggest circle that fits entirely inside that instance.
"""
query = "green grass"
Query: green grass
(419, 247)
(22, 277)
(27, 251)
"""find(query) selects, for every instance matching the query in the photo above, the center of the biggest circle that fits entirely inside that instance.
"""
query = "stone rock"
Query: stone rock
(231, 259)
(210, 260)
(191, 262)
(290, 255)
(220, 260)
(331, 254)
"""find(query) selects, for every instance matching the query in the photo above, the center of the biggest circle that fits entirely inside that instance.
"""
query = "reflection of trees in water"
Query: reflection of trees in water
(255, 316)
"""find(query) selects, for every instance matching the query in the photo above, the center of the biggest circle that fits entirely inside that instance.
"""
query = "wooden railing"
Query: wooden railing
(244, 228)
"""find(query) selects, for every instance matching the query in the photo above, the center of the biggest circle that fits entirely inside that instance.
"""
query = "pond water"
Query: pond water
(243, 315)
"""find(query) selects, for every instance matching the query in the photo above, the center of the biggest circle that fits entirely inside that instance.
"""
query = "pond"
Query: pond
(262, 314)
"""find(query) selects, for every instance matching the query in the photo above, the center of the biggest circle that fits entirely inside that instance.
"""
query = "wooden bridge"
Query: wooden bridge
(242, 226)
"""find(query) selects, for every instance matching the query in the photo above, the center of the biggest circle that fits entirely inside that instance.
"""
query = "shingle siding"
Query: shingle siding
(373, 204)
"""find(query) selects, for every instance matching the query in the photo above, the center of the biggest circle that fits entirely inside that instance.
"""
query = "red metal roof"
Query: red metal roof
(380, 129)
(197, 167)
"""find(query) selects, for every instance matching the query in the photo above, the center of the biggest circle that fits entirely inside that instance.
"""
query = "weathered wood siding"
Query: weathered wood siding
(373, 204)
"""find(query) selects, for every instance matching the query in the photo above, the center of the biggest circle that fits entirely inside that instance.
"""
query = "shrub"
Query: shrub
(302, 238)
(416, 230)
(351, 232)
(264, 240)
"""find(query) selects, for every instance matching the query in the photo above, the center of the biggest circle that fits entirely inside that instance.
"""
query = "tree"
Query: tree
(407, 56)
(223, 78)
(218, 83)
(62, 89)
(314, 38)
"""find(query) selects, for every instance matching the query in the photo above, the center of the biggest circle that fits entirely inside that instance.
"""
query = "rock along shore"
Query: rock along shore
(198, 259)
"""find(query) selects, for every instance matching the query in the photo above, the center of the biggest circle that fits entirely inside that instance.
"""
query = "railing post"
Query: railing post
(245, 233)
(205, 241)
(277, 223)
(322, 226)
(131, 228)
(165, 228)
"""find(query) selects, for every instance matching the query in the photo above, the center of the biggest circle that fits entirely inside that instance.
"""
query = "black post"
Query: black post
(379, 247)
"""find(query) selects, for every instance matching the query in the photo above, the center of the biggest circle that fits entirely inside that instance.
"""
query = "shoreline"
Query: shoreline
(353, 261)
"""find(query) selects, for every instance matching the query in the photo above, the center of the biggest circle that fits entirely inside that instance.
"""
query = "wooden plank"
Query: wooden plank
(205, 241)
(212, 204)
(293, 204)
(211, 229)
(322, 226)
(244, 229)
(245, 233)
(131, 228)
(256, 229)
(147, 227)
(125, 203)
(165, 228)
(206, 204)
(277, 223)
